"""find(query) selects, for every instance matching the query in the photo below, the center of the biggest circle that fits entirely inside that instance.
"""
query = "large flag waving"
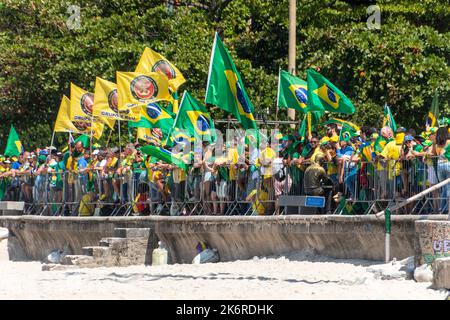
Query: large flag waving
(137, 89)
(323, 95)
(63, 123)
(292, 92)
(106, 101)
(13, 146)
(342, 123)
(225, 88)
(152, 61)
(195, 119)
(433, 115)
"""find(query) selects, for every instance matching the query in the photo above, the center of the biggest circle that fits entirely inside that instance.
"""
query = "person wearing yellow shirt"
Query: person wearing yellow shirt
(391, 153)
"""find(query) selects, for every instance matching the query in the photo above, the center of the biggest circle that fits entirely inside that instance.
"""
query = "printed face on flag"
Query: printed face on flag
(164, 67)
(328, 95)
(300, 91)
(143, 88)
(113, 101)
(238, 93)
(87, 103)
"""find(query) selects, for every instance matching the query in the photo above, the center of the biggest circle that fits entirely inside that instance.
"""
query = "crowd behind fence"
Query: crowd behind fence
(364, 188)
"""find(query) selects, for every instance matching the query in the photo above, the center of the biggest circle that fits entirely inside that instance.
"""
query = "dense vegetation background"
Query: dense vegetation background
(401, 64)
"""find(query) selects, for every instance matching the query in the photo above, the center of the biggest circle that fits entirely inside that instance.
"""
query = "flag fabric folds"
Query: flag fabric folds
(164, 155)
(292, 92)
(63, 123)
(388, 119)
(323, 95)
(81, 104)
(195, 119)
(106, 101)
(225, 88)
(342, 123)
(137, 89)
(13, 146)
(433, 114)
(152, 61)
(153, 115)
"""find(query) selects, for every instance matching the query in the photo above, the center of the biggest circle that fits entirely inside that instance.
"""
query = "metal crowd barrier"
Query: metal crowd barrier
(365, 187)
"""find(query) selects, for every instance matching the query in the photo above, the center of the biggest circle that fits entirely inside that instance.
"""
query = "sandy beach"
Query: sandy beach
(295, 276)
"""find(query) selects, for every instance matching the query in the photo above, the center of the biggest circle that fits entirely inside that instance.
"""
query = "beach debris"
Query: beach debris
(4, 233)
(159, 255)
(403, 269)
(424, 273)
(205, 254)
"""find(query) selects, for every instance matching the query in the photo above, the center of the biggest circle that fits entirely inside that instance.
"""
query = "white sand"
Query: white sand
(272, 278)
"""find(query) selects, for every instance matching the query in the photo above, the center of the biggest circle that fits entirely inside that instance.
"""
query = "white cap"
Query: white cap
(95, 152)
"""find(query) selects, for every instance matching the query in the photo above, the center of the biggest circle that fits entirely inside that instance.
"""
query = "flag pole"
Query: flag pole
(92, 125)
(53, 138)
(109, 137)
(120, 146)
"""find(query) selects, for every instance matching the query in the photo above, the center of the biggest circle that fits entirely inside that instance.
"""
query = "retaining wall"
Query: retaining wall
(357, 237)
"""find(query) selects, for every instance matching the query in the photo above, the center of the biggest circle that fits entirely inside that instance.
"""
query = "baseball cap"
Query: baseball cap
(408, 138)
(95, 152)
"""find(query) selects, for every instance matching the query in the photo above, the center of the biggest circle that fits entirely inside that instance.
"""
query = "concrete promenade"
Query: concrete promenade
(236, 237)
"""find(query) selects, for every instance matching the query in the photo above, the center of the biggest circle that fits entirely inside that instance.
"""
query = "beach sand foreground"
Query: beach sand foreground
(294, 276)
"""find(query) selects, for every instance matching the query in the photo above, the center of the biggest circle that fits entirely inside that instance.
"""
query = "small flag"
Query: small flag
(292, 92)
(13, 146)
(433, 114)
(388, 119)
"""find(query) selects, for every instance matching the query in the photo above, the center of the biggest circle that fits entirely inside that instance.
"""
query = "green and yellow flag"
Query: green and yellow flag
(63, 123)
(433, 114)
(152, 61)
(165, 155)
(106, 102)
(225, 88)
(153, 115)
(292, 92)
(388, 119)
(323, 95)
(195, 119)
(13, 147)
(342, 123)
(137, 89)
(146, 135)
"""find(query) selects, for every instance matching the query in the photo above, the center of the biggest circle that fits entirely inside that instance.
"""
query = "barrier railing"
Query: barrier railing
(358, 188)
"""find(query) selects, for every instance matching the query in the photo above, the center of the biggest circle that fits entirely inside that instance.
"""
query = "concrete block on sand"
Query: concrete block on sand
(441, 273)
(423, 274)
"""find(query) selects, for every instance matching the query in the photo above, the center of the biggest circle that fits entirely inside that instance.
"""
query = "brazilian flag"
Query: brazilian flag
(292, 92)
(347, 133)
(225, 88)
(323, 95)
(388, 119)
(165, 155)
(153, 115)
(13, 147)
(433, 114)
(195, 119)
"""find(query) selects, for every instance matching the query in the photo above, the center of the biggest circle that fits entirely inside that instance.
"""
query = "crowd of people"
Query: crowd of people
(366, 167)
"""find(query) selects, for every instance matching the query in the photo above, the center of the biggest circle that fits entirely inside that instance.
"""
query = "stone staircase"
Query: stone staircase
(129, 246)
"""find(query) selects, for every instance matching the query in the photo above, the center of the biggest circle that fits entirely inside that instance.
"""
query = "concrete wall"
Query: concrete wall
(359, 237)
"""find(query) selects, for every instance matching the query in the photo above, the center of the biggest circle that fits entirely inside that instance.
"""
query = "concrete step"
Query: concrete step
(96, 251)
(131, 232)
(108, 242)
(78, 260)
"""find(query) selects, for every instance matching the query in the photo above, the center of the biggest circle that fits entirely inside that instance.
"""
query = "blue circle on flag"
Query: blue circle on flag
(241, 99)
(302, 95)
(331, 95)
(153, 111)
(202, 123)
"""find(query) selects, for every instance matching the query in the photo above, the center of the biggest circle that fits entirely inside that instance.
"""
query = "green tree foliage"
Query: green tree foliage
(401, 64)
